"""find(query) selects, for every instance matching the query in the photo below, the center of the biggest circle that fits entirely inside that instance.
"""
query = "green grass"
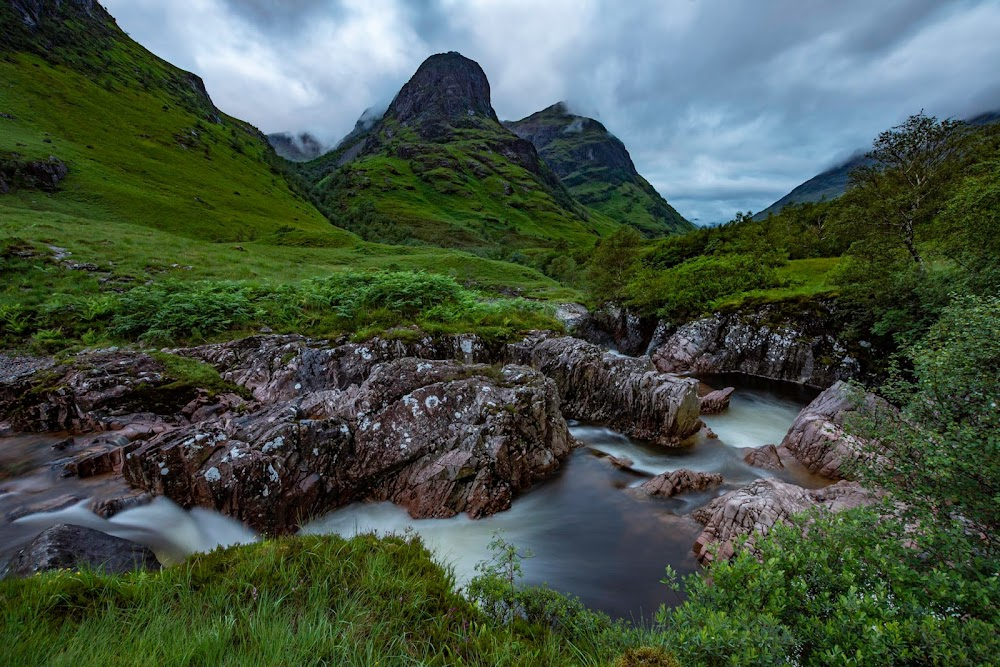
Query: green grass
(294, 601)
(806, 278)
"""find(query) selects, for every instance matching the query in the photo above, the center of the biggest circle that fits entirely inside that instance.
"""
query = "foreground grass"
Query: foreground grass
(318, 600)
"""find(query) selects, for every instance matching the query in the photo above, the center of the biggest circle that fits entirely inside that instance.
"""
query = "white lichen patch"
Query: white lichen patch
(271, 445)
(273, 474)
(213, 474)
(432, 402)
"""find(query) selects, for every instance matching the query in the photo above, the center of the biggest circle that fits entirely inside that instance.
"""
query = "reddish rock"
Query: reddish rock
(437, 437)
(765, 457)
(670, 484)
(625, 393)
(715, 402)
(755, 509)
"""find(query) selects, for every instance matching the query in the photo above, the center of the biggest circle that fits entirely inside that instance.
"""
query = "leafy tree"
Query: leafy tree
(906, 183)
(614, 263)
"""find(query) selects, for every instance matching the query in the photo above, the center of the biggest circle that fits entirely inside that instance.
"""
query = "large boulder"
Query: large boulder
(817, 438)
(793, 346)
(74, 547)
(626, 393)
(765, 457)
(755, 509)
(716, 401)
(437, 437)
(670, 484)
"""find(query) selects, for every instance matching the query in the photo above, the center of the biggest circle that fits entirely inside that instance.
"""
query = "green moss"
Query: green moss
(194, 374)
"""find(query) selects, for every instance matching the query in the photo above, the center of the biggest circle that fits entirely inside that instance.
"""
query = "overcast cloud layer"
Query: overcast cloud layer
(724, 106)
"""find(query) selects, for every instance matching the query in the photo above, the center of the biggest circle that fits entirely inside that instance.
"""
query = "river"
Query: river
(587, 533)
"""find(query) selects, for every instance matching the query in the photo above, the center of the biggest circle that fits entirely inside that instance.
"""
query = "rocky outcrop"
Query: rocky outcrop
(44, 175)
(74, 547)
(437, 437)
(670, 484)
(279, 368)
(618, 328)
(765, 457)
(716, 401)
(817, 438)
(778, 345)
(91, 392)
(625, 393)
(755, 509)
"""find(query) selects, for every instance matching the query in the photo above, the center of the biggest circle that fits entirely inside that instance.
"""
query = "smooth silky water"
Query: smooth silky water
(588, 533)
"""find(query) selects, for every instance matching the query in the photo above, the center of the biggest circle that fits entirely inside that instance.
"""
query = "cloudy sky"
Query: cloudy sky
(724, 105)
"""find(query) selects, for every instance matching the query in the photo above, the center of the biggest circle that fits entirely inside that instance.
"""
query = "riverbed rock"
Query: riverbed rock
(755, 509)
(765, 457)
(279, 368)
(765, 342)
(817, 437)
(616, 327)
(715, 402)
(670, 484)
(93, 392)
(437, 437)
(626, 393)
(72, 547)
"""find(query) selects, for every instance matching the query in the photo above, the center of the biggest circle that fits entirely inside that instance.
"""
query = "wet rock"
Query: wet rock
(437, 437)
(765, 457)
(109, 506)
(817, 438)
(715, 402)
(279, 368)
(670, 484)
(626, 393)
(620, 462)
(47, 505)
(755, 509)
(96, 391)
(74, 547)
(616, 327)
(106, 455)
(766, 343)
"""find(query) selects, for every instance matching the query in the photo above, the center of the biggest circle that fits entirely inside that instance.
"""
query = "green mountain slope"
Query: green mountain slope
(142, 140)
(160, 184)
(597, 169)
(438, 168)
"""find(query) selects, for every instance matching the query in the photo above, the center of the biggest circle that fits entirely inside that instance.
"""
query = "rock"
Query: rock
(109, 506)
(615, 327)
(754, 509)
(105, 455)
(74, 547)
(710, 434)
(766, 342)
(620, 462)
(42, 175)
(817, 438)
(765, 457)
(48, 505)
(715, 402)
(570, 314)
(279, 368)
(92, 392)
(670, 484)
(626, 393)
(437, 437)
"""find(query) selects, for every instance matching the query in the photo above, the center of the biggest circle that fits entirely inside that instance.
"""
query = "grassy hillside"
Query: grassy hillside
(596, 168)
(462, 193)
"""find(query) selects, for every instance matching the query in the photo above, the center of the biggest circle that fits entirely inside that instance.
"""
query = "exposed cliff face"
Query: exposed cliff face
(795, 348)
(447, 91)
(597, 169)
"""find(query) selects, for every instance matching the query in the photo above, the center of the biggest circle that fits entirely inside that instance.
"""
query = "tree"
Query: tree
(615, 260)
(905, 183)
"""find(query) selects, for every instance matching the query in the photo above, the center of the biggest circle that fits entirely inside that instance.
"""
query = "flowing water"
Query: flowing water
(588, 533)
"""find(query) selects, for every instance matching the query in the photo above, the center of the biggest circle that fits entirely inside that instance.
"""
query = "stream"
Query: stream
(587, 533)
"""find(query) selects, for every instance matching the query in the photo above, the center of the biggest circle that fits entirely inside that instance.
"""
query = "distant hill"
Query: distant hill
(597, 169)
(300, 147)
(832, 183)
(439, 168)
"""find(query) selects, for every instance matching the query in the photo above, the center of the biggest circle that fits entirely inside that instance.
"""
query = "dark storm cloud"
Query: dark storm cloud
(724, 106)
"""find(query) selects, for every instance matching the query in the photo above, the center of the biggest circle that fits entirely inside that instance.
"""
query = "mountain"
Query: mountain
(832, 183)
(439, 168)
(141, 140)
(300, 147)
(829, 184)
(597, 169)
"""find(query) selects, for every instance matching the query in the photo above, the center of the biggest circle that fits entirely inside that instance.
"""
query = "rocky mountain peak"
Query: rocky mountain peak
(448, 89)
(33, 13)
